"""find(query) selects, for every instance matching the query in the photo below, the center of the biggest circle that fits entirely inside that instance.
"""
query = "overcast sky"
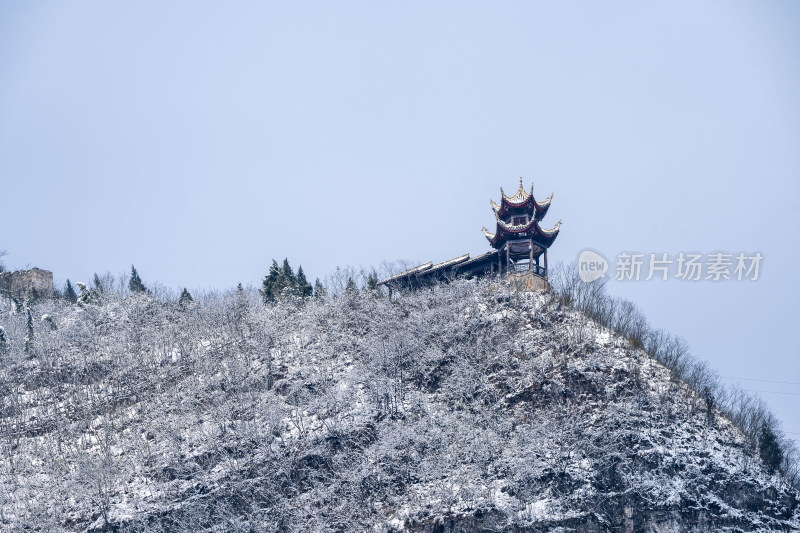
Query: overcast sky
(199, 140)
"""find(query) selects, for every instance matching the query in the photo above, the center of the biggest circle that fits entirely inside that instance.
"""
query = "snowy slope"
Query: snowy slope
(457, 409)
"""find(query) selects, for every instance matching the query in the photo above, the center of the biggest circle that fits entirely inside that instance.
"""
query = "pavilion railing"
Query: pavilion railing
(526, 267)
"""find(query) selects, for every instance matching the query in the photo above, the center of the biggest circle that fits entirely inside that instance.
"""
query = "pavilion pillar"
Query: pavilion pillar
(530, 261)
(508, 261)
(546, 272)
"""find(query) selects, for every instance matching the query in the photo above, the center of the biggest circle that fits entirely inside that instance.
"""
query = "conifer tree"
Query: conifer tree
(98, 285)
(185, 298)
(288, 275)
(86, 296)
(135, 284)
(769, 448)
(271, 286)
(372, 281)
(351, 287)
(69, 293)
(304, 288)
(319, 289)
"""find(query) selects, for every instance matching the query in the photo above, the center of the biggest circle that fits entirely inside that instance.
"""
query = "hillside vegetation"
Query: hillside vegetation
(460, 408)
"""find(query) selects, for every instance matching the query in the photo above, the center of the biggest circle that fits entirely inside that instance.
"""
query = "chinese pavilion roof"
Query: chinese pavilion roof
(520, 201)
(522, 205)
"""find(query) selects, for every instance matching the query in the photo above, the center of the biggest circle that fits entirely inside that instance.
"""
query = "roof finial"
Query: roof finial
(520, 184)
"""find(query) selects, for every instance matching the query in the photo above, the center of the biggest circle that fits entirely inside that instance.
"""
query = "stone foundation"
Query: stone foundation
(526, 281)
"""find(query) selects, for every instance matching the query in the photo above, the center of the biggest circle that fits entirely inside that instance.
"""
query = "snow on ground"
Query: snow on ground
(460, 404)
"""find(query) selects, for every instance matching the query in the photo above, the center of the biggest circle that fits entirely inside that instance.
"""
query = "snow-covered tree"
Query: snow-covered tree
(185, 298)
(304, 288)
(351, 287)
(769, 449)
(69, 292)
(319, 289)
(135, 284)
(98, 283)
(273, 283)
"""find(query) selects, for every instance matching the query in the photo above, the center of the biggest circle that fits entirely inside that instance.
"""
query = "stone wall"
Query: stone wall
(20, 283)
(526, 281)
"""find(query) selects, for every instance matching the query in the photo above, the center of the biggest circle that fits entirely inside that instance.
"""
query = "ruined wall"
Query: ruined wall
(20, 283)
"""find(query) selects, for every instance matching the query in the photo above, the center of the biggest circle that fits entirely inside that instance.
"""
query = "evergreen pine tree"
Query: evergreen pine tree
(271, 286)
(372, 281)
(69, 293)
(185, 298)
(319, 289)
(86, 296)
(351, 287)
(135, 284)
(304, 288)
(98, 285)
(240, 309)
(769, 449)
(288, 275)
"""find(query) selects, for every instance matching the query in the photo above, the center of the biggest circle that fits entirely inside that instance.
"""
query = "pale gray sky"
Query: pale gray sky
(199, 140)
